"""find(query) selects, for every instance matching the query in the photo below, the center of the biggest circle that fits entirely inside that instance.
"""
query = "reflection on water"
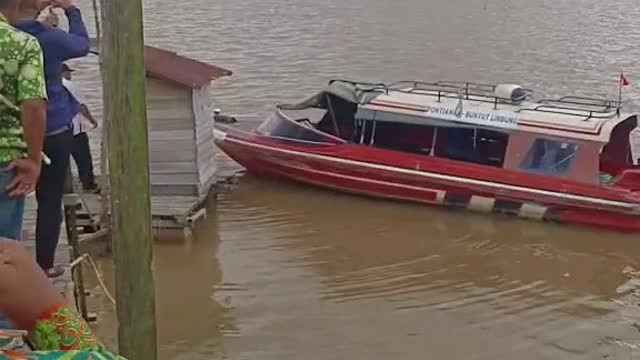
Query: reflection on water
(271, 277)
(349, 276)
(191, 321)
(282, 271)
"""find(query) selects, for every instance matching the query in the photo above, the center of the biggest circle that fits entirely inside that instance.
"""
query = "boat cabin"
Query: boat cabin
(581, 139)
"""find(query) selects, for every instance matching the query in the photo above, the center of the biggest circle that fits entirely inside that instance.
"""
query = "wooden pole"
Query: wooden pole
(124, 86)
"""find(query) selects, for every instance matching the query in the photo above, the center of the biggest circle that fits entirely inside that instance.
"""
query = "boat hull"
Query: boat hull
(328, 166)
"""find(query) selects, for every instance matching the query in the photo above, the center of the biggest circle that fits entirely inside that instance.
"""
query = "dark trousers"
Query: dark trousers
(82, 156)
(49, 193)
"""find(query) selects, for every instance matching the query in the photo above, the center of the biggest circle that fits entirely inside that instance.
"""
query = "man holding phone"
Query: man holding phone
(58, 46)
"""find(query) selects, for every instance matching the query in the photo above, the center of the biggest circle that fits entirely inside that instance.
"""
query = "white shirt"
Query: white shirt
(80, 122)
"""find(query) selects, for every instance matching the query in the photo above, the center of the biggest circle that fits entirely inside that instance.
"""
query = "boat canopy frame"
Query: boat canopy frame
(357, 93)
(434, 104)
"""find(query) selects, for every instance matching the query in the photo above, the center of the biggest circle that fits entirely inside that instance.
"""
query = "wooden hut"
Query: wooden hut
(180, 116)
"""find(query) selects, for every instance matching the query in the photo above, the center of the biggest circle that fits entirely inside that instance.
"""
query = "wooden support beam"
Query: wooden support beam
(70, 218)
(124, 89)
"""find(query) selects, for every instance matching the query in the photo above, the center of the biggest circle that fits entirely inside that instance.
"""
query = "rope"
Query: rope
(87, 257)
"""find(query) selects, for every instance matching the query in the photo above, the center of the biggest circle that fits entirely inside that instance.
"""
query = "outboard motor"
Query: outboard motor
(223, 119)
(512, 92)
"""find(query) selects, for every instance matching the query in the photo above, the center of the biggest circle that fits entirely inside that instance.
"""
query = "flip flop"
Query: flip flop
(54, 272)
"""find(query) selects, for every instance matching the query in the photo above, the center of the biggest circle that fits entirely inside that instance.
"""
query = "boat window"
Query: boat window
(550, 157)
(409, 138)
(478, 146)
(282, 128)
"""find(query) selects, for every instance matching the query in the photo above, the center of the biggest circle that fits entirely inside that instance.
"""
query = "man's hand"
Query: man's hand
(25, 291)
(84, 110)
(65, 4)
(27, 175)
(51, 20)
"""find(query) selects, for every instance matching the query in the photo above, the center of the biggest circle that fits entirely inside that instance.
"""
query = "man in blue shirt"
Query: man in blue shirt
(57, 46)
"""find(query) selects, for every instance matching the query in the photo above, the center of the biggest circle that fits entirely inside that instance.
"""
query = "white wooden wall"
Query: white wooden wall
(205, 147)
(172, 146)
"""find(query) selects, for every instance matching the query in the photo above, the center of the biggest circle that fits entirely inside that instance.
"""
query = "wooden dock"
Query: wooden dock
(168, 212)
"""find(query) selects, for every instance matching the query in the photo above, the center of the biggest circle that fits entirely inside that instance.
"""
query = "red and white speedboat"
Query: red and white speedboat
(487, 148)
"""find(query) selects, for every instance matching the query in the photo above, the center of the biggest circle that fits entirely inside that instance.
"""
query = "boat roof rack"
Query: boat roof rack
(480, 92)
(607, 104)
(587, 107)
(575, 106)
(468, 88)
(373, 86)
(441, 89)
(446, 88)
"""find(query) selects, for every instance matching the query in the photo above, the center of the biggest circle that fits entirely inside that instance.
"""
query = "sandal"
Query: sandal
(54, 272)
(92, 189)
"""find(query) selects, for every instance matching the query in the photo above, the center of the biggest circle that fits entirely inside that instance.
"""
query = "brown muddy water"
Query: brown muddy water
(282, 271)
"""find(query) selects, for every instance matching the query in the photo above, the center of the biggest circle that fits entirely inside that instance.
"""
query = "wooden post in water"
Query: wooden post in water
(124, 86)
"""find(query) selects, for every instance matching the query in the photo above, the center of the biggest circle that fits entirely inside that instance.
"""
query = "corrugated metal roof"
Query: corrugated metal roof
(169, 66)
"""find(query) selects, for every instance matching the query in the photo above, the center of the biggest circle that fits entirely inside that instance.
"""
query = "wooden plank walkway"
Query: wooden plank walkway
(168, 212)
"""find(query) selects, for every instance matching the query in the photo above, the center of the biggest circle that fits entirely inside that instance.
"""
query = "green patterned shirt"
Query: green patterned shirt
(21, 79)
(61, 334)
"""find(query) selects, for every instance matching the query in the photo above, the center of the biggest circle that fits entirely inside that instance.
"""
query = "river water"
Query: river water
(281, 271)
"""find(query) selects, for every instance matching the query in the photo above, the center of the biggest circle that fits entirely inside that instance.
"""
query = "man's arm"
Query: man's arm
(34, 122)
(76, 24)
(73, 44)
(31, 96)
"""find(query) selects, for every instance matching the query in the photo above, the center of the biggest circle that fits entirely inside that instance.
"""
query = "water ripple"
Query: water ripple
(318, 275)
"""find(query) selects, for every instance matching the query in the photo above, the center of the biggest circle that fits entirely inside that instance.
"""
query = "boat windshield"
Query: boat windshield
(302, 130)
